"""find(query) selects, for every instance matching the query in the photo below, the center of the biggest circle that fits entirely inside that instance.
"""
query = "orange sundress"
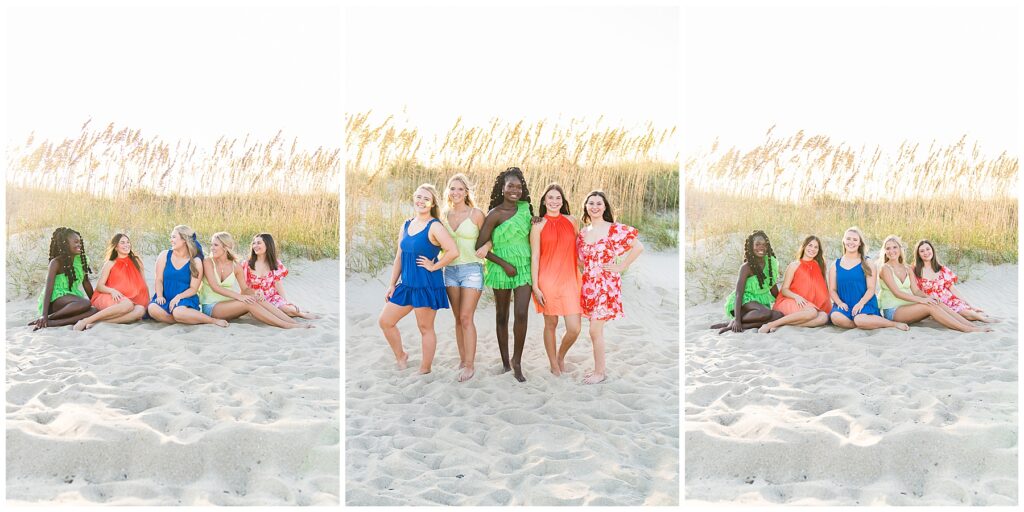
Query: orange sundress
(127, 279)
(558, 275)
(809, 283)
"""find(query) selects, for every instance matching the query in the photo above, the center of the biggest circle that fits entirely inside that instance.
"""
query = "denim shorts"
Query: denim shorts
(889, 313)
(207, 309)
(467, 275)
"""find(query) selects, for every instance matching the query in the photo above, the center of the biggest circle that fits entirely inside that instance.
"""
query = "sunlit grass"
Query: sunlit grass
(386, 162)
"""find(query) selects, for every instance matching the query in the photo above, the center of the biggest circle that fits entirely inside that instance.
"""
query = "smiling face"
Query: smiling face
(216, 248)
(553, 200)
(851, 241)
(759, 246)
(422, 200)
(811, 249)
(457, 192)
(513, 188)
(258, 246)
(595, 206)
(893, 251)
(124, 246)
(925, 252)
(74, 243)
(177, 242)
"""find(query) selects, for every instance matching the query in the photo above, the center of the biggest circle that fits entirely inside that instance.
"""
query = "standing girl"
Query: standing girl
(507, 226)
(464, 276)
(421, 289)
(599, 243)
(555, 272)
(63, 301)
(121, 293)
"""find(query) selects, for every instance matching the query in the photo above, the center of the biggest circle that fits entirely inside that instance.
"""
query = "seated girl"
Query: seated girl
(121, 293)
(804, 296)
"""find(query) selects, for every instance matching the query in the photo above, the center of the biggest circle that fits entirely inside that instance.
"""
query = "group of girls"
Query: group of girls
(570, 269)
(850, 293)
(190, 287)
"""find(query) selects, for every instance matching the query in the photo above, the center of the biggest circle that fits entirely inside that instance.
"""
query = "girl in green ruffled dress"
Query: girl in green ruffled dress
(750, 304)
(507, 226)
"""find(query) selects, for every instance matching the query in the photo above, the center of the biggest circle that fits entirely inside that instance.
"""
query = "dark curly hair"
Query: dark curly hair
(757, 267)
(499, 184)
(60, 249)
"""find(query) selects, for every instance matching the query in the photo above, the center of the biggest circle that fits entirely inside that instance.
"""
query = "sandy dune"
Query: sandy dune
(429, 440)
(826, 416)
(151, 414)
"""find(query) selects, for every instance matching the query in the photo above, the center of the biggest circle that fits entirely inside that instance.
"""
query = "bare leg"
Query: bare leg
(916, 312)
(276, 311)
(841, 320)
(425, 321)
(71, 320)
(870, 322)
(157, 313)
(467, 309)
(522, 315)
(454, 298)
(293, 310)
(120, 309)
(971, 314)
(388, 325)
(65, 307)
(956, 316)
(573, 326)
(550, 332)
(184, 315)
(797, 318)
(232, 309)
(753, 314)
(597, 338)
(502, 302)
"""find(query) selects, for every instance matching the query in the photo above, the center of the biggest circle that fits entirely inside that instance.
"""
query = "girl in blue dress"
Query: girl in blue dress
(179, 271)
(417, 282)
(851, 283)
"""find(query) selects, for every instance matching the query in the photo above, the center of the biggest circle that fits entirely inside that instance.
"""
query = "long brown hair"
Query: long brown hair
(564, 210)
(110, 253)
(607, 215)
(271, 253)
(818, 258)
(919, 263)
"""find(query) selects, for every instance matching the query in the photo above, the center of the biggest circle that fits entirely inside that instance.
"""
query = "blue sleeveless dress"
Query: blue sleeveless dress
(851, 285)
(176, 280)
(418, 287)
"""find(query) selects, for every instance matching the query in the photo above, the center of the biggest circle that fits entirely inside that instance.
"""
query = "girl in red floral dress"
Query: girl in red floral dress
(263, 273)
(599, 243)
(937, 280)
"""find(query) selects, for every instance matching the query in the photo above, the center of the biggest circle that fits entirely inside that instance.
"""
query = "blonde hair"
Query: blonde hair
(882, 257)
(469, 192)
(186, 234)
(228, 242)
(435, 209)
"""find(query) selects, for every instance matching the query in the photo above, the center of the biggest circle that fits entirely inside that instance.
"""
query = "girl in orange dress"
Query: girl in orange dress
(556, 275)
(121, 293)
(804, 298)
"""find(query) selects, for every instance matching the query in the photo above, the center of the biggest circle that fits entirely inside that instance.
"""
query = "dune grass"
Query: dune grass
(114, 180)
(955, 196)
(385, 164)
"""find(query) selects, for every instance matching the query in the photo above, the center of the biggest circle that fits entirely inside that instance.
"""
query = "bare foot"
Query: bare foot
(902, 326)
(462, 364)
(220, 322)
(764, 329)
(555, 370)
(989, 320)
(81, 325)
(719, 326)
(518, 371)
(424, 371)
(466, 374)
(594, 378)
(403, 362)
(561, 364)
(506, 368)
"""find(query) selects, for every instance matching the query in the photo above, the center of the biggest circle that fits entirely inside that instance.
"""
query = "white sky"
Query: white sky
(514, 61)
(190, 69)
(864, 72)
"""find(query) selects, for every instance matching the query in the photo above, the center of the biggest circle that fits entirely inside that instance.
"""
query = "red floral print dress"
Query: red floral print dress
(267, 283)
(601, 296)
(940, 289)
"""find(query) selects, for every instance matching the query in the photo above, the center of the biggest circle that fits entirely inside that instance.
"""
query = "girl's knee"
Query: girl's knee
(464, 320)
(425, 327)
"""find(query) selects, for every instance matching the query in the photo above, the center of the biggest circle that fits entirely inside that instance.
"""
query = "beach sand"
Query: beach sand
(429, 440)
(827, 416)
(154, 414)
